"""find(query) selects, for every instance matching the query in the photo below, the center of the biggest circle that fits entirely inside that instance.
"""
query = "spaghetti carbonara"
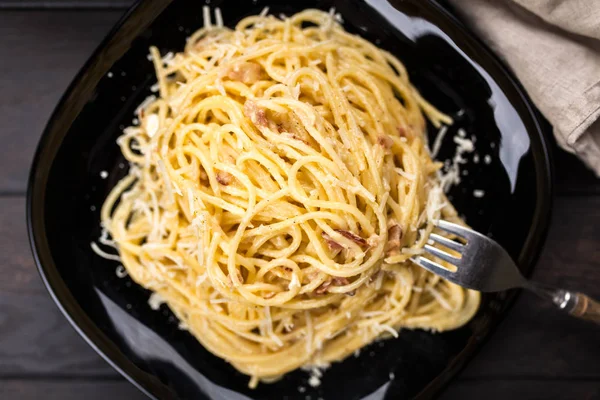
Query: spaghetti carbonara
(279, 184)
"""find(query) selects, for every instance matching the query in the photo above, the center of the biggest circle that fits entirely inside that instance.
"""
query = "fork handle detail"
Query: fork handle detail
(578, 305)
(586, 308)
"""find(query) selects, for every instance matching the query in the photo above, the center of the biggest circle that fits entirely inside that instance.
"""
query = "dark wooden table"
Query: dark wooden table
(536, 353)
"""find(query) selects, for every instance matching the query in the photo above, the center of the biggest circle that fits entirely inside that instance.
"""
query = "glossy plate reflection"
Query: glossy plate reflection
(452, 69)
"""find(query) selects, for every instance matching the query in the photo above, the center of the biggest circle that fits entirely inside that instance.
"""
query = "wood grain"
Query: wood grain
(117, 390)
(42, 52)
(65, 4)
(536, 340)
(68, 390)
(522, 389)
(572, 176)
(35, 338)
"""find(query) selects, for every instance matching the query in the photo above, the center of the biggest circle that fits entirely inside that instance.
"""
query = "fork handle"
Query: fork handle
(577, 304)
(585, 307)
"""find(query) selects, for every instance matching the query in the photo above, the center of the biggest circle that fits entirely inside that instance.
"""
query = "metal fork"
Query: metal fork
(483, 265)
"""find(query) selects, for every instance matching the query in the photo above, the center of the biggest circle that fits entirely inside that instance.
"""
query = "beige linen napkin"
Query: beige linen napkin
(553, 47)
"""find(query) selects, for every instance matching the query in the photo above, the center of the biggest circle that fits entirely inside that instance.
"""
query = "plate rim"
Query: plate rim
(150, 385)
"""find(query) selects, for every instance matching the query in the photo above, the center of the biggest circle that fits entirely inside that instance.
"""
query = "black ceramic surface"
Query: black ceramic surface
(451, 69)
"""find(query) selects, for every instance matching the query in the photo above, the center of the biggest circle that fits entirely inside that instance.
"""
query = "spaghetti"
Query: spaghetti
(279, 184)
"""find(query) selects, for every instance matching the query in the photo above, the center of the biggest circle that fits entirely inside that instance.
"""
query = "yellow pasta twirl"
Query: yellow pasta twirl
(279, 184)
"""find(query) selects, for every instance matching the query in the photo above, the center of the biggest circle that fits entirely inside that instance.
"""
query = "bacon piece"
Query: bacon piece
(295, 137)
(205, 42)
(257, 115)
(355, 238)
(394, 236)
(375, 275)
(245, 72)
(335, 281)
(340, 281)
(385, 141)
(332, 244)
(224, 178)
(405, 133)
(323, 288)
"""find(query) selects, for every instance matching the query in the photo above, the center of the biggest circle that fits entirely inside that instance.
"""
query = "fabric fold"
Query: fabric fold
(553, 47)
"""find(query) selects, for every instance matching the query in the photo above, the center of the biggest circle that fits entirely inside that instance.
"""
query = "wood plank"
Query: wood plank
(43, 50)
(535, 341)
(462, 389)
(69, 390)
(572, 176)
(35, 338)
(65, 4)
(521, 389)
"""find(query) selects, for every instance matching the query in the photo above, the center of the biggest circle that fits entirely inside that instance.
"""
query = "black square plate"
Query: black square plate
(448, 65)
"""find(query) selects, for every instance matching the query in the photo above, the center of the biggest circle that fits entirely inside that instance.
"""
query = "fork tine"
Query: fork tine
(458, 230)
(441, 254)
(444, 241)
(432, 266)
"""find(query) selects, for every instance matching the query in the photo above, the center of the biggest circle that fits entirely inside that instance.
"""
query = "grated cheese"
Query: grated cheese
(191, 201)
(315, 377)
(144, 104)
(466, 145)
(437, 143)
(452, 174)
(152, 125)
(155, 301)
(167, 181)
(295, 282)
(183, 326)
(168, 58)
